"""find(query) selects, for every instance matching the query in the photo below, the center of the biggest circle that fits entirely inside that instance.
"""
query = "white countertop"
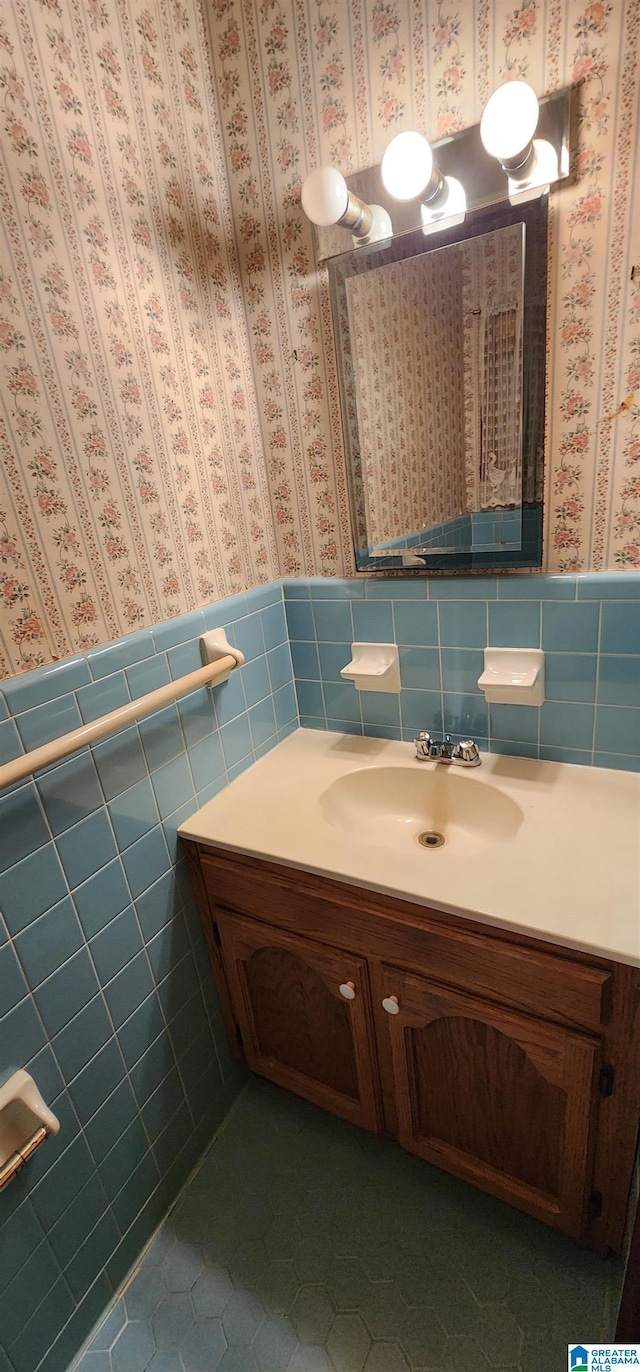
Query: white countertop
(568, 873)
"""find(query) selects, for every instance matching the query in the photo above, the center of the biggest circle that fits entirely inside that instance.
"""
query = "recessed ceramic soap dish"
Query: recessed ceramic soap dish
(513, 676)
(373, 667)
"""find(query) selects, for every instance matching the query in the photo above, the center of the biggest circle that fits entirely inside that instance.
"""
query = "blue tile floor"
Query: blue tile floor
(305, 1245)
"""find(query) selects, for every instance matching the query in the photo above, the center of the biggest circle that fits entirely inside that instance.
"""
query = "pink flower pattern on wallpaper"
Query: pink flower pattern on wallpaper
(171, 428)
(448, 63)
(147, 495)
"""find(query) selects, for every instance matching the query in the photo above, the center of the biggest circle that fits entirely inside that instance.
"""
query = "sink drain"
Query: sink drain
(430, 839)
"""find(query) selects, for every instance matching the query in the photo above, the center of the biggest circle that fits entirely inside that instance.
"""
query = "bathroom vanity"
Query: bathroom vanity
(479, 1001)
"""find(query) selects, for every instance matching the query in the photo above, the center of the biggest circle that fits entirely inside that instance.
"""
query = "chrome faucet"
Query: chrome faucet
(463, 754)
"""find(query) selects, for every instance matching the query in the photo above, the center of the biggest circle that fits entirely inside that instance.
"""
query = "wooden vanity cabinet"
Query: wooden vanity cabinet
(511, 1063)
(296, 1025)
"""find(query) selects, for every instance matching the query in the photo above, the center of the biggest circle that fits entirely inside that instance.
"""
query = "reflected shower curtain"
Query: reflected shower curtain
(500, 348)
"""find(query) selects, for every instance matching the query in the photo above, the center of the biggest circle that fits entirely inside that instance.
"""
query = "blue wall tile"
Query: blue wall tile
(116, 945)
(48, 721)
(23, 827)
(607, 586)
(31, 887)
(66, 992)
(617, 731)
(619, 681)
(570, 627)
(463, 624)
(372, 621)
(173, 785)
(120, 761)
(102, 897)
(461, 668)
(76, 966)
(453, 617)
(12, 981)
(421, 710)
(300, 620)
(256, 682)
(133, 813)
(310, 698)
(566, 726)
(86, 847)
(514, 722)
(147, 676)
(620, 627)
(103, 696)
(45, 684)
(279, 665)
(262, 722)
(116, 963)
(145, 861)
(112, 657)
(305, 661)
(416, 624)
(570, 676)
(47, 943)
(514, 624)
(10, 741)
(70, 791)
(332, 620)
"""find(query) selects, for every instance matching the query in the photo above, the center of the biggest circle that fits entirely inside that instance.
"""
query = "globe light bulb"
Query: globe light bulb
(381, 226)
(449, 213)
(325, 196)
(407, 166)
(543, 172)
(509, 121)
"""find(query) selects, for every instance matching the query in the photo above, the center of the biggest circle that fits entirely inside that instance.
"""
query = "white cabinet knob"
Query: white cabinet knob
(348, 990)
(390, 1004)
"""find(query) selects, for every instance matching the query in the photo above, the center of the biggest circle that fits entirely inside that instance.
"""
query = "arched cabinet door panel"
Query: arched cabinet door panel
(304, 1012)
(503, 1100)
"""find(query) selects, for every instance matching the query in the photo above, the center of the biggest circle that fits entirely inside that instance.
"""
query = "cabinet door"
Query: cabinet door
(299, 1028)
(503, 1100)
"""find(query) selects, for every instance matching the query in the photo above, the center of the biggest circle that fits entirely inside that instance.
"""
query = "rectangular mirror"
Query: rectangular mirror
(441, 347)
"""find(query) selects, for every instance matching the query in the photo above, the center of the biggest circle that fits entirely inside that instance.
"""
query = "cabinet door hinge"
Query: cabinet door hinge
(216, 934)
(607, 1080)
(239, 1037)
(595, 1205)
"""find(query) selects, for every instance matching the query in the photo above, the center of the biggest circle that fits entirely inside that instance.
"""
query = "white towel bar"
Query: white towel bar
(58, 748)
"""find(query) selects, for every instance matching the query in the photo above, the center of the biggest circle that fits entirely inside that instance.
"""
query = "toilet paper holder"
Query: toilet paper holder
(25, 1122)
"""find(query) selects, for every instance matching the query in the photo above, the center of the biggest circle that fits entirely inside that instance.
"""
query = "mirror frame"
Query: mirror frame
(534, 215)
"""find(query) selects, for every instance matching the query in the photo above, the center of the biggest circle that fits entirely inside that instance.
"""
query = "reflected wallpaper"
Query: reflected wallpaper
(170, 425)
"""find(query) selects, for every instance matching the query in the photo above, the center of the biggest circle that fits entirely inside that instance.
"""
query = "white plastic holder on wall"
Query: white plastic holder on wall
(25, 1122)
(513, 676)
(373, 667)
(213, 646)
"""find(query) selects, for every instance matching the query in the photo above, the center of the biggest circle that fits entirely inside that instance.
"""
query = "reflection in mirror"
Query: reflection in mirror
(442, 372)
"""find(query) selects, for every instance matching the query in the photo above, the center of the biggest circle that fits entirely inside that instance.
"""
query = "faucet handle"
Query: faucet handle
(466, 751)
(422, 743)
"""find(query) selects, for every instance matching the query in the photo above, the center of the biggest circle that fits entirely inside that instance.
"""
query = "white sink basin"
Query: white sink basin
(403, 808)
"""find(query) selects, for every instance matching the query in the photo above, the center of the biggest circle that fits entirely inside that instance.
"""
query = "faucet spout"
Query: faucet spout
(465, 754)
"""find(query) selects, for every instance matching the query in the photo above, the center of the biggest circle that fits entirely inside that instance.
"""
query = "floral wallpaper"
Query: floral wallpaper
(304, 84)
(406, 334)
(134, 478)
(170, 422)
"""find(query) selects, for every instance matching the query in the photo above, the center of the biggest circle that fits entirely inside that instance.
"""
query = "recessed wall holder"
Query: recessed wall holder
(25, 1123)
(213, 646)
(373, 667)
(513, 676)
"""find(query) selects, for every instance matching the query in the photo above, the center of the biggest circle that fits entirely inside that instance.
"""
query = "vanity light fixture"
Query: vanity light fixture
(508, 124)
(409, 172)
(327, 200)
